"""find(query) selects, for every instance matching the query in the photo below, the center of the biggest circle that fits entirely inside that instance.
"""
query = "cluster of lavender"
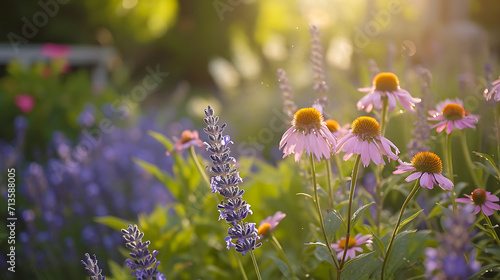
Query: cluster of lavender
(422, 129)
(63, 193)
(317, 60)
(289, 107)
(448, 260)
(142, 263)
(233, 209)
(92, 268)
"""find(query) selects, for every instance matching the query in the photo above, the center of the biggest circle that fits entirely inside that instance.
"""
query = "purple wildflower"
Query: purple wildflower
(92, 268)
(142, 263)
(225, 181)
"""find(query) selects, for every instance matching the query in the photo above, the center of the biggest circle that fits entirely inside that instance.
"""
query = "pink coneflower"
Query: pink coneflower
(308, 133)
(386, 85)
(337, 130)
(428, 169)
(24, 102)
(451, 113)
(494, 90)
(267, 225)
(364, 139)
(55, 50)
(483, 200)
(353, 245)
(188, 139)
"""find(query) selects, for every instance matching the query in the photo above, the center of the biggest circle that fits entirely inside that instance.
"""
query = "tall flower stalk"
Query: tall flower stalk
(233, 209)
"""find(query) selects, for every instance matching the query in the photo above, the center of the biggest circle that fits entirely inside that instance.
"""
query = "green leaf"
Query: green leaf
(282, 267)
(332, 221)
(315, 244)
(357, 215)
(163, 177)
(399, 252)
(322, 253)
(306, 195)
(162, 139)
(483, 270)
(436, 210)
(409, 219)
(445, 210)
(113, 222)
(361, 267)
(117, 271)
(491, 161)
(378, 245)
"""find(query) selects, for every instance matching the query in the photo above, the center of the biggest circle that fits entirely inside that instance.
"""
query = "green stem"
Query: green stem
(192, 152)
(278, 247)
(255, 265)
(396, 228)
(329, 181)
(242, 269)
(497, 120)
(385, 111)
(378, 199)
(341, 174)
(450, 170)
(349, 209)
(493, 231)
(465, 151)
(318, 208)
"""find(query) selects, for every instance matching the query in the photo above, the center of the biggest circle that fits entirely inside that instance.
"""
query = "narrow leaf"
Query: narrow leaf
(409, 219)
(282, 267)
(162, 139)
(332, 222)
(377, 245)
(445, 210)
(306, 195)
(491, 161)
(323, 254)
(361, 268)
(357, 215)
(113, 222)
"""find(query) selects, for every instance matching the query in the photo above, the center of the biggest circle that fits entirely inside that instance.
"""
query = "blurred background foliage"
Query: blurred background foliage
(223, 53)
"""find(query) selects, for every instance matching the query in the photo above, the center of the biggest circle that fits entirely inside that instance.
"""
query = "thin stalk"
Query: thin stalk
(450, 170)
(329, 181)
(497, 120)
(491, 228)
(242, 269)
(465, 151)
(341, 174)
(318, 208)
(383, 121)
(278, 247)
(192, 153)
(395, 231)
(255, 265)
(349, 209)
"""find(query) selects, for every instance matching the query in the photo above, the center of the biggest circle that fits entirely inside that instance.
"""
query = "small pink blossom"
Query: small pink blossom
(353, 245)
(386, 85)
(308, 133)
(364, 139)
(483, 200)
(24, 102)
(451, 114)
(493, 92)
(428, 167)
(188, 139)
(267, 225)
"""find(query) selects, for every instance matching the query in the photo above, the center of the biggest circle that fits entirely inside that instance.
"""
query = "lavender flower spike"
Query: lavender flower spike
(142, 263)
(92, 268)
(225, 181)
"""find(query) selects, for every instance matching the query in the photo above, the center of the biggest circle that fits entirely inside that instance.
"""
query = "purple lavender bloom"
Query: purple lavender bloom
(233, 209)
(142, 263)
(92, 268)
(448, 261)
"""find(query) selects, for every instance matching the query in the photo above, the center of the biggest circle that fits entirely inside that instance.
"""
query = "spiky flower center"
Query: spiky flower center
(264, 229)
(427, 162)
(350, 244)
(186, 136)
(453, 112)
(386, 82)
(307, 119)
(332, 125)
(478, 196)
(367, 128)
